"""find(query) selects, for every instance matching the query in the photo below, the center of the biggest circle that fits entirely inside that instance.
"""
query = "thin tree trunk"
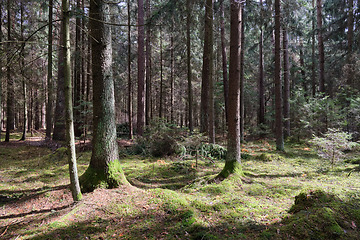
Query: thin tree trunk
(302, 69)
(1, 66)
(188, 63)
(10, 84)
(130, 100)
(233, 156)
(320, 47)
(23, 137)
(278, 87)
(261, 119)
(350, 37)
(286, 99)
(207, 68)
(313, 58)
(172, 69)
(161, 97)
(148, 104)
(70, 137)
(141, 71)
(49, 105)
(224, 61)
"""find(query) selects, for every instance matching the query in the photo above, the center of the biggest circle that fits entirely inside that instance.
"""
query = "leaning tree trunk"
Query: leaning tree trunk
(104, 169)
(233, 157)
(49, 105)
(141, 71)
(70, 137)
(278, 88)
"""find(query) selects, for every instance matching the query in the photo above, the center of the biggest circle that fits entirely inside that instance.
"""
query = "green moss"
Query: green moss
(98, 178)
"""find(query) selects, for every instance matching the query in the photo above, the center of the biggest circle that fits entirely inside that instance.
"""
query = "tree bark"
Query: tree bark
(278, 87)
(286, 99)
(320, 48)
(188, 63)
(350, 37)
(206, 68)
(104, 169)
(172, 69)
(242, 95)
(161, 94)
(130, 99)
(233, 156)
(148, 105)
(10, 114)
(1, 65)
(49, 105)
(141, 71)
(313, 58)
(70, 137)
(261, 118)
(23, 137)
(224, 61)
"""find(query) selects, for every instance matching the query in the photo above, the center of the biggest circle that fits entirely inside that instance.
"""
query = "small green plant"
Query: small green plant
(332, 145)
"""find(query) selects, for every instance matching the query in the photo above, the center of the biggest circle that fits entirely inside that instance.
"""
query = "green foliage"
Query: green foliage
(332, 145)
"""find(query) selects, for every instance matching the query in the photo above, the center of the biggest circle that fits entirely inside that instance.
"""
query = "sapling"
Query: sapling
(332, 145)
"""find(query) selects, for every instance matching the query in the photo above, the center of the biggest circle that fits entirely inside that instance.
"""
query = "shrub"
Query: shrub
(332, 145)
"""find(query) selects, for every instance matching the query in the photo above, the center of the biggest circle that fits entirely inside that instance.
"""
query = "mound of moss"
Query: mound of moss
(320, 215)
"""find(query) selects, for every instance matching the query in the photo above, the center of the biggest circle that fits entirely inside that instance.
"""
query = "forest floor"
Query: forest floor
(171, 199)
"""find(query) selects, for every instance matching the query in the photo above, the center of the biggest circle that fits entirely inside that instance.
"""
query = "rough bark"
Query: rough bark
(70, 137)
(207, 67)
(313, 58)
(104, 169)
(188, 63)
(320, 47)
(49, 106)
(242, 99)
(350, 37)
(278, 87)
(161, 94)
(224, 61)
(148, 105)
(172, 69)
(141, 71)
(1, 65)
(286, 72)
(261, 117)
(23, 137)
(233, 156)
(130, 100)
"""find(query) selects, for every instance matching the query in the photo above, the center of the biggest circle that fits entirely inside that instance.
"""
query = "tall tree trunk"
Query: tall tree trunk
(161, 97)
(77, 74)
(261, 117)
(350, 37)
(320, 47)
(313, 58)
(188, 63)
(70, 137)
(23, 137)
(1, 66)
(49, 105)
(148, 101)
(141, 71)
(224, 61)
(10, 114)
(242, 95)
(172, 69)
(104, 169)
(130, 100)
(233, 156)
(278, 87)
(207, 68)
(286, 99)
(302, 68)
(59, 117)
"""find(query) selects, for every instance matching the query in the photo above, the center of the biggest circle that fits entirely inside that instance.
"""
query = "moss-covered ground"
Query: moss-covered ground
(172, 198)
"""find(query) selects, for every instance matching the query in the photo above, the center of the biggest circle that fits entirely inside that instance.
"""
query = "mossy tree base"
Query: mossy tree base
(98, 178)
(230, 168)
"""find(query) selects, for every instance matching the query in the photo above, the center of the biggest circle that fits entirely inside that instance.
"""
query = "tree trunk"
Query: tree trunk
(161, 97)
(321, 48)
(130, 100)
(172, 69)
(242, 99)
(10, 114)
(59, 117)
(1, 65)
(188, 63)
(148, 75)
(104, 169)
(278, 87)
(207, 68)
(141, 71)
(233, 156)
(350, 37)
(70, 137)
(49, 105)
(286, 99)
(302, 68)
(224, 61)
(261, 119)
(23, 137)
